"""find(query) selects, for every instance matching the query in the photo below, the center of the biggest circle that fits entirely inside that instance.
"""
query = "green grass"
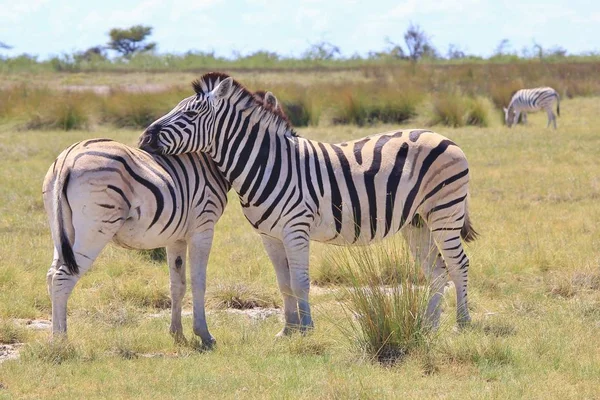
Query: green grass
(534, 289)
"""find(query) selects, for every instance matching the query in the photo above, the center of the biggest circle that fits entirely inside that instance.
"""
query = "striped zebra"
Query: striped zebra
(528, 100)
(293, 190)
(99, 190)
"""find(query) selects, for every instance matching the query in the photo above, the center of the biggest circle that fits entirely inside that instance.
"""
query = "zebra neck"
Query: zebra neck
(254, 156)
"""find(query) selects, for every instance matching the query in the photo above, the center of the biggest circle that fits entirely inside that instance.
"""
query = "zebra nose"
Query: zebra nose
(149, 139)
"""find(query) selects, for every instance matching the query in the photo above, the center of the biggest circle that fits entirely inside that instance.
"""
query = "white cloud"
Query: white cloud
(20, 9)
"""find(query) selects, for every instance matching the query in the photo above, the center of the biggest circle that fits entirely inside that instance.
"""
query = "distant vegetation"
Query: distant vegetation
(403, 81)
(453, 95)
(130, 50)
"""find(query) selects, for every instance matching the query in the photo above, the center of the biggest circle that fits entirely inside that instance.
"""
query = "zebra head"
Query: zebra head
(190, 126)
(509, 115)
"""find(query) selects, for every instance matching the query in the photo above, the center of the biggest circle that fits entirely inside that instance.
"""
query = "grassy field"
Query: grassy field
(534, 281)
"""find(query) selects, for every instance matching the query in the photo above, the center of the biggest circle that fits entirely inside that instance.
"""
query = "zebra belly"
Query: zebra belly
(134, 235)
(138, 231)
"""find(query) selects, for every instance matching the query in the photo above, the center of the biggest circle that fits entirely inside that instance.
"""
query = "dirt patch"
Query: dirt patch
(35, 324)
(257, 314)
(9, 351)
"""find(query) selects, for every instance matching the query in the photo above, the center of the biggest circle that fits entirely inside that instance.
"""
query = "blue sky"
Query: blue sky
(52, 27)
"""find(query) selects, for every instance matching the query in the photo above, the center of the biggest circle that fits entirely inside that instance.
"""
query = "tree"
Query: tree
(91, 54)
(418, 43)
(322, 51)
(455, 53)
(394, 49)
(502, 47)
(131, 41)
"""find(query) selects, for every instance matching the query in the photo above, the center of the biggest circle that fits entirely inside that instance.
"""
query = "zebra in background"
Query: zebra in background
(293, 190)
(99, 190)
(528, 100)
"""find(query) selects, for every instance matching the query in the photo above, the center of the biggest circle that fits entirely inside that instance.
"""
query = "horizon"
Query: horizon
(47, 28)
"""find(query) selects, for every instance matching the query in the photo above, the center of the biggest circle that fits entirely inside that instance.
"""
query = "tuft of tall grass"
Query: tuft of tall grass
(158, 255)
(362, 105)
(11, 333)
(133, 110)
(478, 113)
(455, 110)
(449, 109)
(501, 92)
(55, 351)
(67, 112)
(144, 294)
(387, 311)
(241, 297)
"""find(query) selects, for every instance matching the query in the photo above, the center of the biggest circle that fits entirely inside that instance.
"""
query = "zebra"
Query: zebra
(293, 190)
(526, 100)
(100, 190)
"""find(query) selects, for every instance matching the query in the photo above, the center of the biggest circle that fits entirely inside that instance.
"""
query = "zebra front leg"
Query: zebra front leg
(524, 118)
(176, 260)
(200, 245)
(276, 252)
(296, 245)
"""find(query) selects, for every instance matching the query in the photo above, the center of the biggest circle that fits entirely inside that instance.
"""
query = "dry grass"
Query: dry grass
(534, 199)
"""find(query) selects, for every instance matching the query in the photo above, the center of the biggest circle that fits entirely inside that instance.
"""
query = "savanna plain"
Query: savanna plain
(534, 282)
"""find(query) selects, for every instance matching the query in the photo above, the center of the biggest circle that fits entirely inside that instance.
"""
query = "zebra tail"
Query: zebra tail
(467, 232)
(62, 213)
(557, 104)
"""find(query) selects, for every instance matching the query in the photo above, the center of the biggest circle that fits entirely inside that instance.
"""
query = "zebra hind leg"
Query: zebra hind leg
(176, 257)
(90, 239)
(446, 233)
(551, 118)
(424, 252)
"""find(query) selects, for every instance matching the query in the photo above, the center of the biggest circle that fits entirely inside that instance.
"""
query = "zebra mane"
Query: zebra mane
(207, 82)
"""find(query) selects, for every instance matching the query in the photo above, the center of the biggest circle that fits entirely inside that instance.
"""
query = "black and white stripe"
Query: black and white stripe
(100, 190)
(294, 190)
(529, 100)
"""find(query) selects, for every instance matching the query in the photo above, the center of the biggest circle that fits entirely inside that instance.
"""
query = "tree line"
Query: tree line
(126, 43)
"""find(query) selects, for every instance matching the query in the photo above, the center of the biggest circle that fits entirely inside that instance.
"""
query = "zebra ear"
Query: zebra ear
(505, 109)
(271, 100)
(222, 89)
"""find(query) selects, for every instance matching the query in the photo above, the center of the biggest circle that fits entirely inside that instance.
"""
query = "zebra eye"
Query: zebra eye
(190, 113)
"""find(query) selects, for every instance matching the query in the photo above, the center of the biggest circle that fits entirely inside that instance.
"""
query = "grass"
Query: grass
(385, 301)
(534, 200)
